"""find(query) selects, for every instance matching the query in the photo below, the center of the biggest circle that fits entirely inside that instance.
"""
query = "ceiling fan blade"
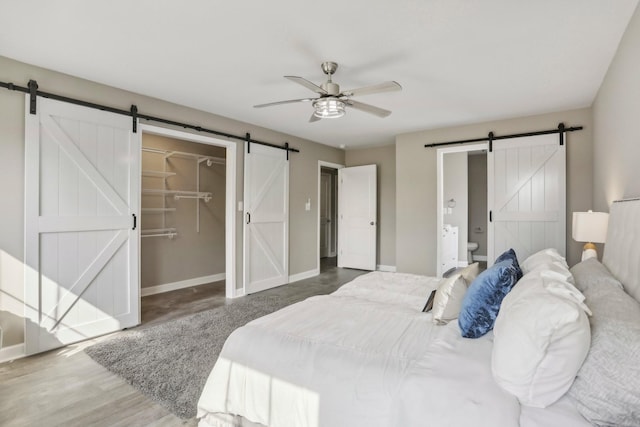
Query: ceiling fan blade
(306, 83)
(291, 101)
(368, 90)
(314, 118)
(367, 108)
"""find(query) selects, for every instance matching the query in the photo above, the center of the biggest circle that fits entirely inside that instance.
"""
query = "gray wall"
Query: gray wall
(416, 181)
(190, 254)
(303, 244)
(478, 201)
(385, 159)
(616, 113)
(454, 187)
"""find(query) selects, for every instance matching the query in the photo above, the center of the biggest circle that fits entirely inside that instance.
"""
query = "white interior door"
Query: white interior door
(81, 252)
(357, 216)
(266, 229)
(325, 214)
(527, 195)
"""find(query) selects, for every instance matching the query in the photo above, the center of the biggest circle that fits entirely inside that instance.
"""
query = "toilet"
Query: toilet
(471, 246)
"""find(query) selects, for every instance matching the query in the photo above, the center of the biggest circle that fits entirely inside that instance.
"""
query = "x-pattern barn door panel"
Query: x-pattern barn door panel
(266, 231)
(527, 195)
(82, 184)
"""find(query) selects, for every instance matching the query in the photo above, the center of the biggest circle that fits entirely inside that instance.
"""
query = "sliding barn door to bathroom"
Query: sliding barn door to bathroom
(527, 195)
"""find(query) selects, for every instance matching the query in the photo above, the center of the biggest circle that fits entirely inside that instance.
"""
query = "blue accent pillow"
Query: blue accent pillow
(481, 303)
(510, 255)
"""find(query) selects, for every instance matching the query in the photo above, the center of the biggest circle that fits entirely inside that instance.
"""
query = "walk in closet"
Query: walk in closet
(182, 216)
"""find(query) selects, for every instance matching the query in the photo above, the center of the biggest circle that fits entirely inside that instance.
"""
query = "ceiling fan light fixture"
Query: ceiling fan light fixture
(329, 108)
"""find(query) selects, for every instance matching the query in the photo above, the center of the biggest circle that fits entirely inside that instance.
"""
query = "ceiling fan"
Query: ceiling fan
(332, 102)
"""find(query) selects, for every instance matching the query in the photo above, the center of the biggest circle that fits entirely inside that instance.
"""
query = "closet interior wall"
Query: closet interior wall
(189, 256)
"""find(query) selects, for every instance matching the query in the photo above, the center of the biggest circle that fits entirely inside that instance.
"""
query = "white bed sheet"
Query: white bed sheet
(364, 355)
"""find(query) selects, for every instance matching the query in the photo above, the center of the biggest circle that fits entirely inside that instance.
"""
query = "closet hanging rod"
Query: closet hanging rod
(160, 192)
(157, 174)
(170, 235)
(133, 112)
(158, 230)
(492, 137)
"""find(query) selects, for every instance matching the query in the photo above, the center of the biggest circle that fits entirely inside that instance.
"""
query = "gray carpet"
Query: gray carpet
(170, 362)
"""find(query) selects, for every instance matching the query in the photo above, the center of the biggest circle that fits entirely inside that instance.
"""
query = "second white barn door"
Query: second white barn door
(266, 219)
(527, 189)
(357, 216)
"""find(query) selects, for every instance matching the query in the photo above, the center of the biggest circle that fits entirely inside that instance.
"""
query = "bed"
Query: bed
(368, 355)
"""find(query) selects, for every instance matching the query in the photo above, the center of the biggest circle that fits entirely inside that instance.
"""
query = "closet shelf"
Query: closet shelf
(157, 174)
(157, 210)
(209, 160)
(178, 194)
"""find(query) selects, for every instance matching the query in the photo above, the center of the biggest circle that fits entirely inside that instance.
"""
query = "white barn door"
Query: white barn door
(82, 169)
(527, 195)
(266, 226)
(357, 216)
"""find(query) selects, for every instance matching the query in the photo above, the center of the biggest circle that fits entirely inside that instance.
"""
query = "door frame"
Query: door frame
(336, 166)
(329, 207)
(230, 197)
(440, 190)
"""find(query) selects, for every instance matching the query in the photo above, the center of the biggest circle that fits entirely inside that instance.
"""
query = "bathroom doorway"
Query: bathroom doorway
(327, 215)
(461, 206)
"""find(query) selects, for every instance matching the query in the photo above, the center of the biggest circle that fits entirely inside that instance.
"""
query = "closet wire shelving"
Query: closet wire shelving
(198, 195)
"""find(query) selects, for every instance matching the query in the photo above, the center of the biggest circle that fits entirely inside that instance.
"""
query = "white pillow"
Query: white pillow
(540, 340)
(553, 269)
(542, 257)
(450, 293)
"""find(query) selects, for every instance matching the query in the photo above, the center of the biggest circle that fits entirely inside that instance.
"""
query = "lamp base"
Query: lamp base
(589, 251)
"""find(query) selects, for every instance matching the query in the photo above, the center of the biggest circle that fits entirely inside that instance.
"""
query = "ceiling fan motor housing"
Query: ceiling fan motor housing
(331, 88)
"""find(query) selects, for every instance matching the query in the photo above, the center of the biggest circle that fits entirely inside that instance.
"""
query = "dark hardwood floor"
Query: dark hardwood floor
(65, 387)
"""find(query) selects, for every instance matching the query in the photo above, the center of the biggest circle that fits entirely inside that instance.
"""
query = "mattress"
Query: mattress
(364, 355)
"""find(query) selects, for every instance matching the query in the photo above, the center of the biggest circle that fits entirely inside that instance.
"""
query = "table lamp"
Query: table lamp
(590, 227)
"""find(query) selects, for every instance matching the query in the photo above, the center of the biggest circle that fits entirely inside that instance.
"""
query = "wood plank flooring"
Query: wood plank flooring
(65, 387)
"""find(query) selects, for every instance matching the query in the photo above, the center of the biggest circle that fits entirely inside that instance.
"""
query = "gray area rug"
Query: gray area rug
(170, 362)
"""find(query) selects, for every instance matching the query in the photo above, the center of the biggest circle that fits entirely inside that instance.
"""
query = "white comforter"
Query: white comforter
(363, 356)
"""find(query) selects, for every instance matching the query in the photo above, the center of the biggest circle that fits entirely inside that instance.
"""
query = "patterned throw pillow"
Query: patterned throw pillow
(511, 256)
(481, 303)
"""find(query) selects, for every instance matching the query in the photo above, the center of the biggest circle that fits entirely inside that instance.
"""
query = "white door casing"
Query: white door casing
(325, 214)
(82, 169)
(357, 216)
(266, 219)
(526, 195)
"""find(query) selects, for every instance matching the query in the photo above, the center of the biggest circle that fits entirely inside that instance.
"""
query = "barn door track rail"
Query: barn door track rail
(492, 137)
(34, 92)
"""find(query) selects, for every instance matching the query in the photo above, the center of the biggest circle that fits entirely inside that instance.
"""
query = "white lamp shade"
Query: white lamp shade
(590, 227)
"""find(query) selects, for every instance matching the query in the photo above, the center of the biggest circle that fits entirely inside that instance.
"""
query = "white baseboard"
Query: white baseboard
(152, 290)
(389, 268)
(479, 257)
(12, 352)
(303, 275)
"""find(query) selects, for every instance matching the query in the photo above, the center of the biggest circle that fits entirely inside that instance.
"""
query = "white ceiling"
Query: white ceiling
(459, 61)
